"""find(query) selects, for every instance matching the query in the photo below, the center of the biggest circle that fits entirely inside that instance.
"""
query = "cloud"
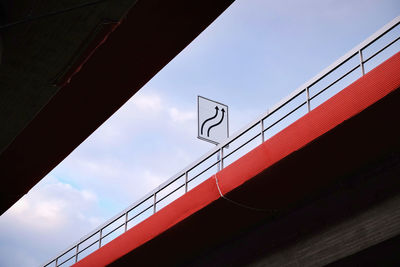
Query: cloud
(147, 111)
(148, 102)
(40, 225)
(137, 114)
(181, 116)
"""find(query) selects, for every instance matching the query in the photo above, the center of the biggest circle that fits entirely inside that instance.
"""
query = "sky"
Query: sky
(256, 53)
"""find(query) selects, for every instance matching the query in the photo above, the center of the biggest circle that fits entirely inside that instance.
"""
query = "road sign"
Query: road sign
(212, 120)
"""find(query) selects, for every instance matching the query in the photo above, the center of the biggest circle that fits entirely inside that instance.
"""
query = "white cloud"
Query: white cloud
(148, 102)
(143, 113)
(45, 221)
(179, 116)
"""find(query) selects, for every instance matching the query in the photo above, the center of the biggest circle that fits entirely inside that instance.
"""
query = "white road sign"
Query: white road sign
(212, 120)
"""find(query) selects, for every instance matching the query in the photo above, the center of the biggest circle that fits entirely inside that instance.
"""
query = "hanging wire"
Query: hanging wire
(241, 204)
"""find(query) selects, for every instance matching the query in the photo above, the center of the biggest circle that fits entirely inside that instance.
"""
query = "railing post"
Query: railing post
(218, 161)
(186, 182)
(101, 236)
(154, 203)
(361, 62)
(76, 254)
(126, 221)
(262, 130)
(222, 157)
(308, 99)
(56, 261)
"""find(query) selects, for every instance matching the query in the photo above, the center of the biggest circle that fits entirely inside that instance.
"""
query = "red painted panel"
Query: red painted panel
(346, 104)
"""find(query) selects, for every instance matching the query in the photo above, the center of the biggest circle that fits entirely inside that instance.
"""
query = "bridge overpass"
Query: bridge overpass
(56, 80)
(323, 189)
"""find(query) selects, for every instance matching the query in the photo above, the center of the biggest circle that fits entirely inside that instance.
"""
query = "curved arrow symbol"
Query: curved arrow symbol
(213, 117)
(212, 126)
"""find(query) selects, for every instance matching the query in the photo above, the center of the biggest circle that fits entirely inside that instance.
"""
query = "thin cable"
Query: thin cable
(240, 204)
(30, 19)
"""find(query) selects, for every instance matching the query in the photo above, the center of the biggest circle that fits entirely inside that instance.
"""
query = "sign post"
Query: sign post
(212, 121)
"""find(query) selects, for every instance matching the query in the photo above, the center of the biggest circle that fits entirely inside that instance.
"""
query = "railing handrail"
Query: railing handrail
(350, 54)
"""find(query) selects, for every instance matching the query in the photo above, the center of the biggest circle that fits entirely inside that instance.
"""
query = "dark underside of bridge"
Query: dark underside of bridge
(353, 221)
(68, 65)
(337, 202)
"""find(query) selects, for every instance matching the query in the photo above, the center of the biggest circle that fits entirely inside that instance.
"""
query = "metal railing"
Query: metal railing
(308, 96)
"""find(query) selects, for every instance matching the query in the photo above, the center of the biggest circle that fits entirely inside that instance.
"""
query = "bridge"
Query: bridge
(61, 76)
(313, 180)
